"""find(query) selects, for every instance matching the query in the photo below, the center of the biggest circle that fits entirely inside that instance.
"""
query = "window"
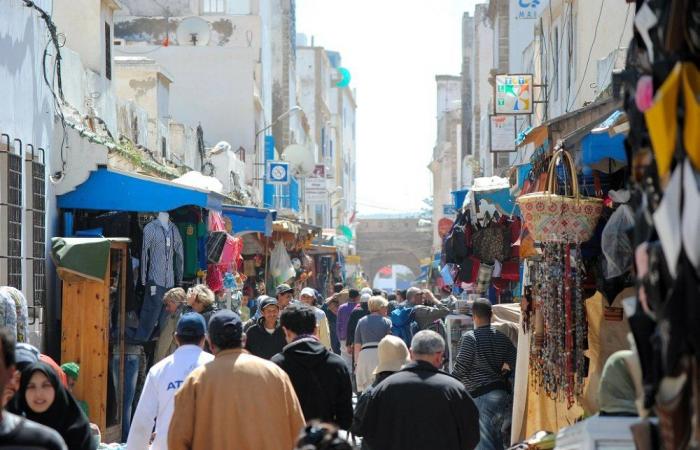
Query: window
(323, 141)
(108, 52)
(164, 147)
(213, 6)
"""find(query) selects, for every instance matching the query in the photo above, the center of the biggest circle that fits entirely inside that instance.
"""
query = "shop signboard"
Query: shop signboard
(449, 209)
(513, 94)
(503, 132)
(277, 172)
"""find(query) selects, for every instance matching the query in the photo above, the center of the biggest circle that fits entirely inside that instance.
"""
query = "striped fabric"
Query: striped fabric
(482, 353)
(162, 258)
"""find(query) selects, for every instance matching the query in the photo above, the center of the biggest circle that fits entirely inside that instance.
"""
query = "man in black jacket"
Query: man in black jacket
(320, 378)
(421, 407)
(266, 338)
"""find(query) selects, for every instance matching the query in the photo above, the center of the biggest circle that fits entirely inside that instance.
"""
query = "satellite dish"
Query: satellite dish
(300, 158)
(193, 31)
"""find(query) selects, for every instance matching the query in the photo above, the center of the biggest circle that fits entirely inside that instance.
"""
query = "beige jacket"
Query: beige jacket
(166, 344)
(238, 401)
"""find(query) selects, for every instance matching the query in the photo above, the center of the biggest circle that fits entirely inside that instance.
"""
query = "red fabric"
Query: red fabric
(215, 280)
(216, 222)
(510, 271)
(61, 374)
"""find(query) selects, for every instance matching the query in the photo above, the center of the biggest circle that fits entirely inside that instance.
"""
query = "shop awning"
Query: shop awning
(114, 190)
(246, 219)
(77, 258)
(458, 197)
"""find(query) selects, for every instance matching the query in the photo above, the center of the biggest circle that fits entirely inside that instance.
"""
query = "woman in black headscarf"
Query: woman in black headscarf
(43, 399)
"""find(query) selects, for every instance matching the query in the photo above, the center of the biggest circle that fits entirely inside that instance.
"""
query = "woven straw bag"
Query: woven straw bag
(559, 218)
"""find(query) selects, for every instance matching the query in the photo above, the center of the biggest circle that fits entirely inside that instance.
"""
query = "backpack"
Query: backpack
(403, 324)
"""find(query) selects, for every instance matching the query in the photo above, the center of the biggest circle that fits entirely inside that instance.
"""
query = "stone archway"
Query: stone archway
(389, 257)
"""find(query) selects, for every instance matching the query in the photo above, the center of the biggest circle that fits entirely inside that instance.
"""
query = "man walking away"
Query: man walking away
(214, 406)
(331, 309)
(344, 312)
(357, 314)
(265, 339)
(421, 407)
(320, 378)
(17, 432)
(163, 380)
(486, 357)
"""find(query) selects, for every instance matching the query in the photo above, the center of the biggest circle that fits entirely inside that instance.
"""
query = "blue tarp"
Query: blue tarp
(597, 147)
(458, 197)
(112, 190)
(247, 219)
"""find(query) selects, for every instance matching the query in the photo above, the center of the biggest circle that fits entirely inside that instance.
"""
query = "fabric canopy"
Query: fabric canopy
(80, 257)
(250, 220)
(598, 148)
(114, 190)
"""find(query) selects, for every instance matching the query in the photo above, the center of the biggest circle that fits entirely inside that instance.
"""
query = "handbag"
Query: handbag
(215, 246)
(551, 217)
(492, 243)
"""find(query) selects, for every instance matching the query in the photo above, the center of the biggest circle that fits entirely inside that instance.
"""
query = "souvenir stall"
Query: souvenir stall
(166, 239)
(661, 88)
(480, 252)
(574, 249)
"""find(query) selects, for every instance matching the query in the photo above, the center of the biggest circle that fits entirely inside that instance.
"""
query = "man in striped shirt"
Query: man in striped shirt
(486, 357)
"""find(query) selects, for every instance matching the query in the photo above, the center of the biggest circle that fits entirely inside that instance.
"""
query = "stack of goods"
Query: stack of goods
(661, 88)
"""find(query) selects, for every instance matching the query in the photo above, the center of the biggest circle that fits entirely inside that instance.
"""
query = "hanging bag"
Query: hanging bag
(551, 217)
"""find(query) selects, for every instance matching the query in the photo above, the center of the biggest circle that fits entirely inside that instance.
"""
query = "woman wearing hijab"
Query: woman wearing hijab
(43, 399)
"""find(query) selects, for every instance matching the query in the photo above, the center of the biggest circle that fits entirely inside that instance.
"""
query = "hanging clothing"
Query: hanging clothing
(191, 233)
(64, 415)
(162, 257)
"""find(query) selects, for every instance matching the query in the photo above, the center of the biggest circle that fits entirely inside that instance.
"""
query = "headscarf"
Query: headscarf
(617, 394)
(64, 415)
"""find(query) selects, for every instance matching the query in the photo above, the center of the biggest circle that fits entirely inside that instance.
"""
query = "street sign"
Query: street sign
(503, 133)
(449, 209)
(513, 94)
(277, 172)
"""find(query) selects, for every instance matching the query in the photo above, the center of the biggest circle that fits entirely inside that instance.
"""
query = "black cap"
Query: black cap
(265, 301)
(191, 324)
(283, 289)
(226, 322)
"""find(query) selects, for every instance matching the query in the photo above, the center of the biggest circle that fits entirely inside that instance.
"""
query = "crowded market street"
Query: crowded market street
(332, 225)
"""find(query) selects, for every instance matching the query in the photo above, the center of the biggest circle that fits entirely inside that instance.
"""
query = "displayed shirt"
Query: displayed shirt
(157, 401)
(162, 258)
(191, 233)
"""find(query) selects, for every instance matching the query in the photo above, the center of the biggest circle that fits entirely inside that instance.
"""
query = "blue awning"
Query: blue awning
(246, 219)
(458, 197)
(114, 190)
(598, 147)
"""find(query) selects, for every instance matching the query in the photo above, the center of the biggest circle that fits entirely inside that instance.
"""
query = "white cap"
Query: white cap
(366, 290)
(364, 298)
(308, 291)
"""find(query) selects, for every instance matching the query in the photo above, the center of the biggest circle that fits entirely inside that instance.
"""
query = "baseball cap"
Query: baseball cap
(191, 324)
(226, 322)
(266, 300)
(308, 291)
(283, 288)
(25, 354)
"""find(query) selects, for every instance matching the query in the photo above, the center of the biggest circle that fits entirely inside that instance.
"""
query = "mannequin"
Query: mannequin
(162, 260)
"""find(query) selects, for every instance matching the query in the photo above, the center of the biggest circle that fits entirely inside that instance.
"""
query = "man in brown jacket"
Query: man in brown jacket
(215, 403)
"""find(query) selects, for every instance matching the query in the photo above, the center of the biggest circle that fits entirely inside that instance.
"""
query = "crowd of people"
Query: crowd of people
(285, 378)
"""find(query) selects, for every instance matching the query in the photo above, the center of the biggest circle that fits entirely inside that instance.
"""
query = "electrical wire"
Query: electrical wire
(588, 60)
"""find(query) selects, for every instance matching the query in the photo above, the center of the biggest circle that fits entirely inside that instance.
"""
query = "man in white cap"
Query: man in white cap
(308, 297)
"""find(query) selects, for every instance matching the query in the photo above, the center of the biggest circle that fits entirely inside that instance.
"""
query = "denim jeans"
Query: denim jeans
(494, 407)
(131, 373)
(152, 313)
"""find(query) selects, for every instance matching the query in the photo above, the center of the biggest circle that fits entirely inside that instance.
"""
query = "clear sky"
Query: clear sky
(393, 49)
